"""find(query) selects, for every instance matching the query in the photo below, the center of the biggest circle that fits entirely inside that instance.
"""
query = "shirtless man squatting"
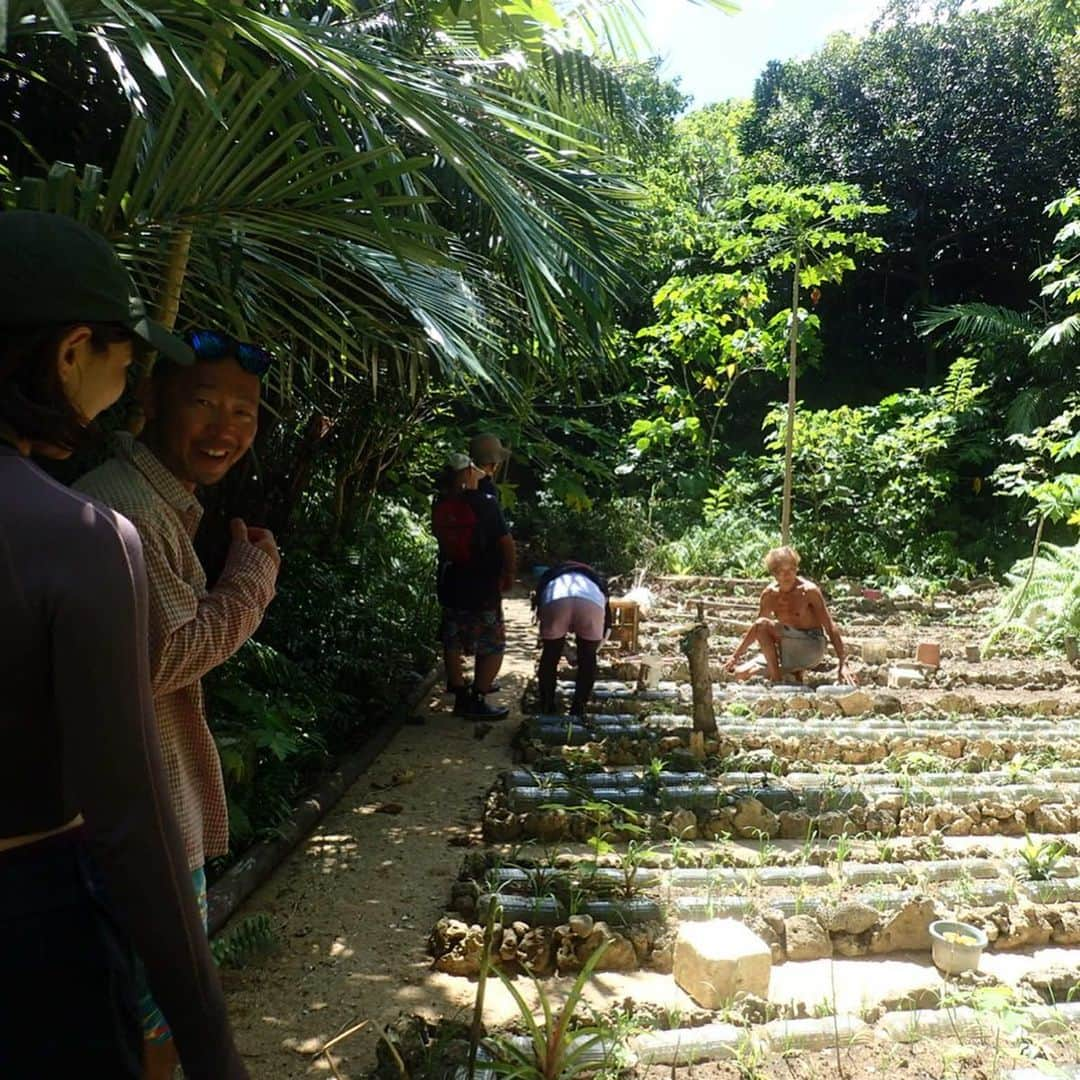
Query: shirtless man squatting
(791, 628)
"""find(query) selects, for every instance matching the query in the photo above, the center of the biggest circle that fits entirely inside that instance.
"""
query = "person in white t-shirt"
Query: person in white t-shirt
(571, 598)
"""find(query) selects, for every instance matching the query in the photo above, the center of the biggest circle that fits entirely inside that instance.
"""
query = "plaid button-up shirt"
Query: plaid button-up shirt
(192, 630)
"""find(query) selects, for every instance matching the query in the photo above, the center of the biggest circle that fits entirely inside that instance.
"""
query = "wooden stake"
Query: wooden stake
(696, 647)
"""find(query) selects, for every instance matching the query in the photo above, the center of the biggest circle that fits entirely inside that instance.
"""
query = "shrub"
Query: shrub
(355, 617)
(732, 544)
(325, 666)
(615, 536)
(1042, 606)
(872, 483)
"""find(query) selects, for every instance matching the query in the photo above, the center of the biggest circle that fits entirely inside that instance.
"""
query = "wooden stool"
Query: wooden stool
(624, 624)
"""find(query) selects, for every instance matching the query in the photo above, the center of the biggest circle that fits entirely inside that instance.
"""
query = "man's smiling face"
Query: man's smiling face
(203, 419)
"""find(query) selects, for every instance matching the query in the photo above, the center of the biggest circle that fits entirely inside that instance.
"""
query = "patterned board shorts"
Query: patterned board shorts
(155, 1026)
(473, 633)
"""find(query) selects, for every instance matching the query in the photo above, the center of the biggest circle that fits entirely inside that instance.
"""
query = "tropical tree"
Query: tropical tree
(954, 123)
(349, 80)
(387, 192)
(805, 232)
(1030, 352)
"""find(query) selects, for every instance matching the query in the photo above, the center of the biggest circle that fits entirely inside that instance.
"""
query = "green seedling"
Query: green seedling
(1041, 858)
(844, 845)
(477, 1026)
(917, 761)
(807, 850)
(632, 861)
(555, 1052)
(576, 900)
(651, 779)
(936, 844)
(767, 852)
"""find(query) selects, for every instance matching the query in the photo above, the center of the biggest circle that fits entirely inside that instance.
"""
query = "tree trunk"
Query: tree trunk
(172, 287)
(1018, 602)
(697, 653)
(789, 433)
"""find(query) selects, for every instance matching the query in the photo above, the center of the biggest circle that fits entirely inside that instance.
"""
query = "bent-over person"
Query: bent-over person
(571, 598)
(792, 627)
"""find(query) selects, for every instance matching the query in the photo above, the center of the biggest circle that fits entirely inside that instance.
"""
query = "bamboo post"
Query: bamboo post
(696, 647)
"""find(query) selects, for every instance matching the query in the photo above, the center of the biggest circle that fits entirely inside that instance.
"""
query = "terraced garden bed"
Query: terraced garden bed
(835, 825)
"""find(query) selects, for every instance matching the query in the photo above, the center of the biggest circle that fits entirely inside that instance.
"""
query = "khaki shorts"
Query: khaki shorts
(799, 649)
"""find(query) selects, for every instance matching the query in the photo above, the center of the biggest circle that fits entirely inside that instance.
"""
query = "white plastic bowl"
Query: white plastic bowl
(953, 957)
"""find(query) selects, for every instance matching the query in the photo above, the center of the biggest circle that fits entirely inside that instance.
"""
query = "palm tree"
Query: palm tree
(285, 173)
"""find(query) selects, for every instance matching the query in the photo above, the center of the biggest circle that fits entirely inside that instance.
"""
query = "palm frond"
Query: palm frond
(1060, 334)
(1046, 608)
(616, 28)
(315, 248)
(361, 94)
(976, 323)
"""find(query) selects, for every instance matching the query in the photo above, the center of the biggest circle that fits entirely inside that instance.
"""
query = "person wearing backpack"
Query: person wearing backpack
(476, 566)
(571, 598)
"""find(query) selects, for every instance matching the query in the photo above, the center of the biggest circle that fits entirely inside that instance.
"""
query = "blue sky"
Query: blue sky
(718, 56)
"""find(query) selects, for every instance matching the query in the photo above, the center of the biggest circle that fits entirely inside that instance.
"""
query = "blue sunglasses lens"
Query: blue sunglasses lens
(253, 359)
(211, 345)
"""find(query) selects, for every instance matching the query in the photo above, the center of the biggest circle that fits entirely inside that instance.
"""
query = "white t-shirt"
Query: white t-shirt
(572, 586)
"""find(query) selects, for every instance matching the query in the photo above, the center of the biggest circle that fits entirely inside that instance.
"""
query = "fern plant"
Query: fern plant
(1043, 604)
(250, 937)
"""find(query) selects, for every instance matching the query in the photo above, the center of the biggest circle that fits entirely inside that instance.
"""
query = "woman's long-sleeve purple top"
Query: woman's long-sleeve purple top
(77, 735)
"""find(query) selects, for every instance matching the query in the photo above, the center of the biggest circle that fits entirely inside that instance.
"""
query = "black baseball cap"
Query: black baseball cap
(55, 270)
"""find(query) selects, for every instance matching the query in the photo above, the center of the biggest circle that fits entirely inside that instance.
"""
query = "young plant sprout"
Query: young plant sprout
(1041, 858)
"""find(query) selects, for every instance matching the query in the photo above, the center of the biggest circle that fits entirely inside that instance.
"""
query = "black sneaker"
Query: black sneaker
(478, 709)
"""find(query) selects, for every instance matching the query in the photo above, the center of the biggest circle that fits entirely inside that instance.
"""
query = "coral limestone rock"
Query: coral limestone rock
(806, 940)
(714, 960)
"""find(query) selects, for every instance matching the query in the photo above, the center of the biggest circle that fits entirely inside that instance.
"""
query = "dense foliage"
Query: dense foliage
(349, 633)
(954, 124)
(896, 462)
(973, 180)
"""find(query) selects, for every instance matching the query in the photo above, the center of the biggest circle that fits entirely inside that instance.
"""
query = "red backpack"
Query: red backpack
(454, 522)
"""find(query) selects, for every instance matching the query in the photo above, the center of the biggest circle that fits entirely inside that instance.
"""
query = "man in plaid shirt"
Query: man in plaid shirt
(200, 421)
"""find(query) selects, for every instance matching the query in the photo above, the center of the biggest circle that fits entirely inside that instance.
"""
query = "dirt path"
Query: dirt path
(353, 905)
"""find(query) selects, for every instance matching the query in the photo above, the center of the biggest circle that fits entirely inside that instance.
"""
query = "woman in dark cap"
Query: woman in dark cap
(91, 862)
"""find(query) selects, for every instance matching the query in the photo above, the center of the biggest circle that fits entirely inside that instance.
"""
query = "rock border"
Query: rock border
(256, 865)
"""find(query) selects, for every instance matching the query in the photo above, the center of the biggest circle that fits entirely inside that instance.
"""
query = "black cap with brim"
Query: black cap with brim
(158, 338)
(54, 270)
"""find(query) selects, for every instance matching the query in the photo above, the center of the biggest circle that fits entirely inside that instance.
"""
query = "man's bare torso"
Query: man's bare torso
(796, 608)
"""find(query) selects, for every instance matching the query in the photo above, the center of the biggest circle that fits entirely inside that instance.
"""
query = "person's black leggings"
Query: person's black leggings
(67, 997)
(586, 674)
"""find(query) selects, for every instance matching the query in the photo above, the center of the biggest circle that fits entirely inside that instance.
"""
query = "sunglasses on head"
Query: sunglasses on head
(214, 345)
